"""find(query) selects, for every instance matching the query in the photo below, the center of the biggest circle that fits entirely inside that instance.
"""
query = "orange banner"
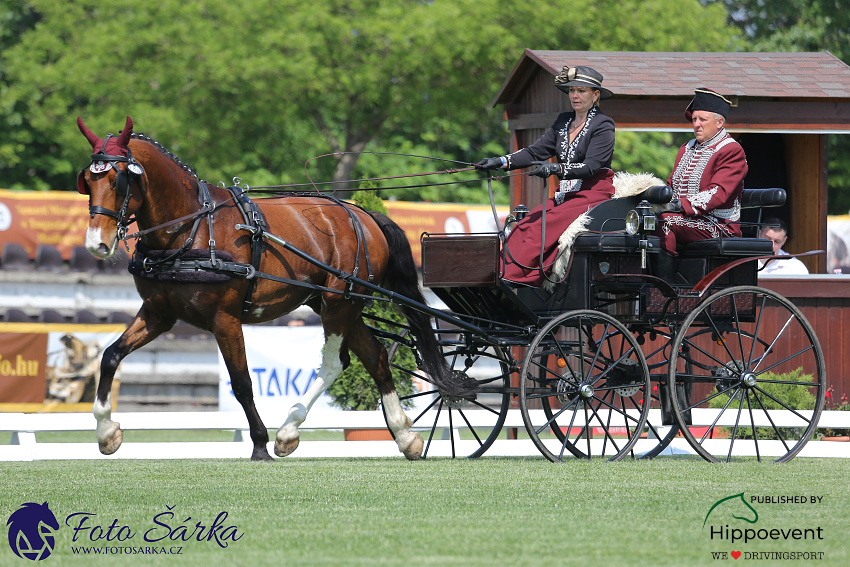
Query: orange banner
(23, 364)
(57, 218)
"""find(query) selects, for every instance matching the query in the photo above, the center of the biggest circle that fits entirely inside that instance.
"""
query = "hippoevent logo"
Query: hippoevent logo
(33, 528)
(732, 521)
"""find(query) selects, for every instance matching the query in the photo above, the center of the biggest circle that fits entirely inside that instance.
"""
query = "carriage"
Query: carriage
(610, 362)
(614, 362)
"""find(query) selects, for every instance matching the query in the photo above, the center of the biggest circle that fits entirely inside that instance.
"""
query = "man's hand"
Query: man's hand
(489, 163)
(547, 169)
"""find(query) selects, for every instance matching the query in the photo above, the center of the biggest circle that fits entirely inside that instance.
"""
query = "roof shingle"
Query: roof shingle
(674, 74)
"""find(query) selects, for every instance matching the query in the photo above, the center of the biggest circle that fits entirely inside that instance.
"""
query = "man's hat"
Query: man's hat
(581, 77)
(708, 100)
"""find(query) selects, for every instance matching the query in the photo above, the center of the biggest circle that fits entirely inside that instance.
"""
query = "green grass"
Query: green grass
(437, 512)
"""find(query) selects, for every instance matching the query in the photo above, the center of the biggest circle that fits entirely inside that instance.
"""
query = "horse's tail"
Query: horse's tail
(401, 278)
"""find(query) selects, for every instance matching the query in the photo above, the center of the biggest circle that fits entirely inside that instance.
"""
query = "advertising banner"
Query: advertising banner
(52, 367)
(57, 218)
(282, 362)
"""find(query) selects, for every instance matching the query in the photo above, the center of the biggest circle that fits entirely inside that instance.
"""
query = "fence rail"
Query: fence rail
(23, 428)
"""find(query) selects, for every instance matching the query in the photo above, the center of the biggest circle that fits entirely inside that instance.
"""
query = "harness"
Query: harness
(102, 162)
(198, 265)
(207, 266)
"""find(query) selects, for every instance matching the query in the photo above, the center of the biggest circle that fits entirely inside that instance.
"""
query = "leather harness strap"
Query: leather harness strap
(253, 216)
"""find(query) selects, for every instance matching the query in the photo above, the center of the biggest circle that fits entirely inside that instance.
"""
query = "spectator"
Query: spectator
(776, 231)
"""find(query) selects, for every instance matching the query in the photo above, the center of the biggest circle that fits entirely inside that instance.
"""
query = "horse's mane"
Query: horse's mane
(186, 167)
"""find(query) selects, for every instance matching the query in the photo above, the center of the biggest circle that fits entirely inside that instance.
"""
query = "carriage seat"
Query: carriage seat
(613, 242)
(728, 247)
(750, 199)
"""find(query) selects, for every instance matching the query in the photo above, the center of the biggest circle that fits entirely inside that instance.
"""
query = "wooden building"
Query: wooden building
(784, 106)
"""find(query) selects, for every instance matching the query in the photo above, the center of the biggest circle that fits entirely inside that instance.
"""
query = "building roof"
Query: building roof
(674, 74)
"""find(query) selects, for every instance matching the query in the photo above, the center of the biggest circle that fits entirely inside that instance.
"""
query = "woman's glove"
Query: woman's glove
(489, 163)
(547, 169)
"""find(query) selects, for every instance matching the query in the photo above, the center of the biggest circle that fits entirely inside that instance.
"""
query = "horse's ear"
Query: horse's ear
(93, 140)
(124, 138)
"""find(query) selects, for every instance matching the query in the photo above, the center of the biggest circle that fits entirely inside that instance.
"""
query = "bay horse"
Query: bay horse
(185, 222)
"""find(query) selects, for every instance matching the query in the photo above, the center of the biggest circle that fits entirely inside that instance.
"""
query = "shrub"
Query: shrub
(843, 404)
(795, 396)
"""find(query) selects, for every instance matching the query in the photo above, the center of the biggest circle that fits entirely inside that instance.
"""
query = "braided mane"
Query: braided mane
(186, 167)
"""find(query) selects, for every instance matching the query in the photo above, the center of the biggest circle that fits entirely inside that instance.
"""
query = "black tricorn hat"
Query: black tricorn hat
(581, 77)
(708, 100)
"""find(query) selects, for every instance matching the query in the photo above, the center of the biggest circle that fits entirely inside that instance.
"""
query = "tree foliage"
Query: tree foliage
(257, 88)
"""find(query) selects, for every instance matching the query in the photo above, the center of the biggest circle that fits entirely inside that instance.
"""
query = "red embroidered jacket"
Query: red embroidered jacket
(708, 178)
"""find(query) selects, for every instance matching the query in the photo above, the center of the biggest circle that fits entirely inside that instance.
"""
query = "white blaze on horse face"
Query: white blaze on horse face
(96, 246)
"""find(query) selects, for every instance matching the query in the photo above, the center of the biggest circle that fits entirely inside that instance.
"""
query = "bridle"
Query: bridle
(102, 162)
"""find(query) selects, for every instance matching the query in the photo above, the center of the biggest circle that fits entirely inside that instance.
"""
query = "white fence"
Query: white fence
(23, 429)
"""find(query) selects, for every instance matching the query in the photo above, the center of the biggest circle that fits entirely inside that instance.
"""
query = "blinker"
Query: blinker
(99, 166)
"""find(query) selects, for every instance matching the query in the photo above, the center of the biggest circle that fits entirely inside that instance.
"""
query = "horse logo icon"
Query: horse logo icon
(734, 508)
(31, 529)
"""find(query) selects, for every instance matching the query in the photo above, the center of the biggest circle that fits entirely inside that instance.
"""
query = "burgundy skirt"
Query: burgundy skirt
(522, 248)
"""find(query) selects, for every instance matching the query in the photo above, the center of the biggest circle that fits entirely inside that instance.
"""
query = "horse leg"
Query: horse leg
(231, 343)
(287, 438)
(373, 355)
(143, 330)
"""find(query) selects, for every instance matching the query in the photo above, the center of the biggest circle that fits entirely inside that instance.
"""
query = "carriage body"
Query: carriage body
(600, 353)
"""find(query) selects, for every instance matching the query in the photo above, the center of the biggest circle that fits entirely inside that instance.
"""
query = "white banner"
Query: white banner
(282, 362)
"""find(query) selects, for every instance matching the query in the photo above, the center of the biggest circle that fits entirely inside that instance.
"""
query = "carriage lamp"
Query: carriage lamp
(520, 211)
(640, 219)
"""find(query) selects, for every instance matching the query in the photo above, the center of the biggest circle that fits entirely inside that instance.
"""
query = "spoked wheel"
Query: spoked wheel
(661, 425)
(752, 376)
(453, 427)
(583, 388)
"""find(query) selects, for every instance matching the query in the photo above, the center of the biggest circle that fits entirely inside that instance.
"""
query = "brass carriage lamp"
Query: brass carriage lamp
(519, 213)
(641, 219)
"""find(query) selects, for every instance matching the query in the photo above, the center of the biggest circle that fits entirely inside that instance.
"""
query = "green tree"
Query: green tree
(257, 88)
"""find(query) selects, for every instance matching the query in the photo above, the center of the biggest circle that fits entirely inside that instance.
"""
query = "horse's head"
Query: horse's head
(115, 183)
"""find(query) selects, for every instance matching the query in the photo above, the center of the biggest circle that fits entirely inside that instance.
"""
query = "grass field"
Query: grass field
(436, 512)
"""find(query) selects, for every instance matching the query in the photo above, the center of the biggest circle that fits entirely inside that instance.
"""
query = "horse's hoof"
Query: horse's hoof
(261, 454)
(282, 449)
(111, 445)
(414, 451)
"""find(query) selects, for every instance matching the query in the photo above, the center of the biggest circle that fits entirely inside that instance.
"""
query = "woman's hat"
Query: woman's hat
(708, 100)
(581, 77)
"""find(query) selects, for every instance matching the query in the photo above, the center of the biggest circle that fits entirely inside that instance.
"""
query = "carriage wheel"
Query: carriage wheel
(583, 386)
(453, 427)
(751, 376)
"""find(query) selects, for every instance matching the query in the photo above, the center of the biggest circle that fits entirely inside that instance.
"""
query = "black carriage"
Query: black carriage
(615, 362)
